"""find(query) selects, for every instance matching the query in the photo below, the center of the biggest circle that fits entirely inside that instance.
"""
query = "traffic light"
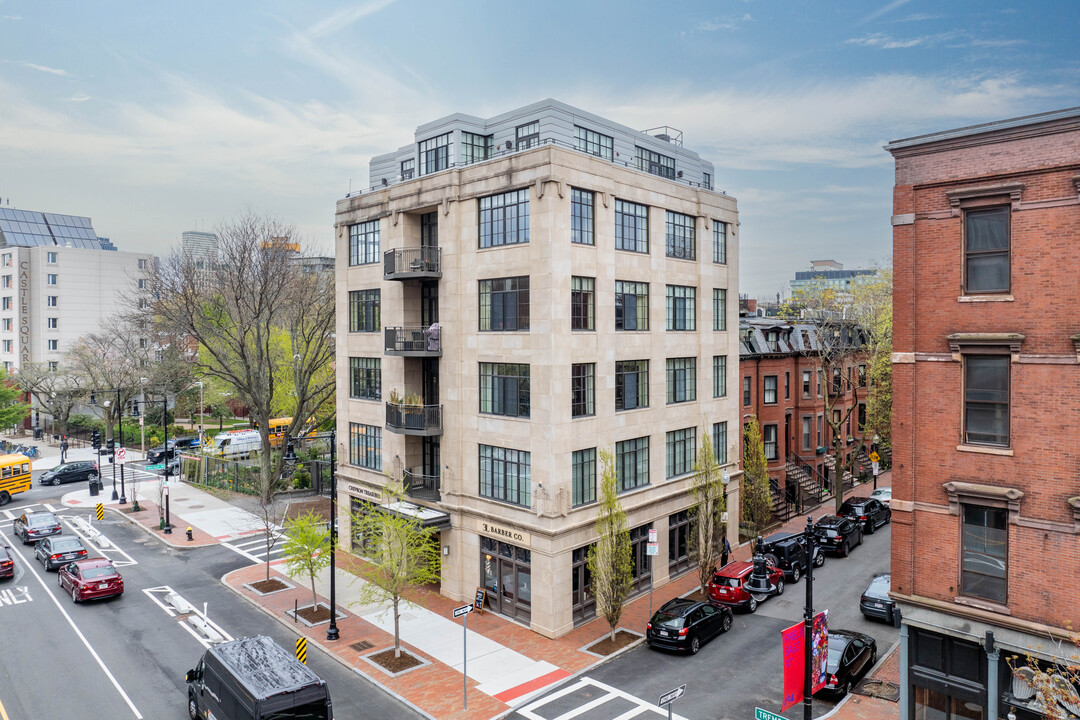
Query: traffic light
(110, 445)
(95, 440)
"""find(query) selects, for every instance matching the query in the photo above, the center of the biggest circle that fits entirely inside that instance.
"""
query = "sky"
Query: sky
(156, 118)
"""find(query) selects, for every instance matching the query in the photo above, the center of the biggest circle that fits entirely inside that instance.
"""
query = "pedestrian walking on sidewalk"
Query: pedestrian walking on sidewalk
(63, 450)
(725, 553)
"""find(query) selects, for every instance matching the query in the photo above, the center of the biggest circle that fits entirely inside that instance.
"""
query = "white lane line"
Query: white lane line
(48, 507)
(10, 515)
(114, 549)
(243, 553)
(93, 653)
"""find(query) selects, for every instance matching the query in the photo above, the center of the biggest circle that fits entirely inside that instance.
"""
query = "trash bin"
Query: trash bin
(95, 487)
(39, 433)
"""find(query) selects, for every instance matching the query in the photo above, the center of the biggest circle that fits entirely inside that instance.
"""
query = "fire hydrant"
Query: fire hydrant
(189, 537)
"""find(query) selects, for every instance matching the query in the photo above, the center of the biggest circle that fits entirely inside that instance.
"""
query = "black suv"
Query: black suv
(157, 454)
(683, 624)
(868, 511)
(70, 472)
(838, 534)
(788, 552)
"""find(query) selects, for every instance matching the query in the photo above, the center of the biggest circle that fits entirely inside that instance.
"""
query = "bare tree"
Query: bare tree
(237, 321)
(57, 392)
(111, 360)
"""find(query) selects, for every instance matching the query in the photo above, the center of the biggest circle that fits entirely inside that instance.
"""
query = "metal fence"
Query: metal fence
(244, 478)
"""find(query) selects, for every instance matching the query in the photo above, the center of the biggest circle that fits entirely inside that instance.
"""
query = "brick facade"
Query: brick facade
(1030, 168)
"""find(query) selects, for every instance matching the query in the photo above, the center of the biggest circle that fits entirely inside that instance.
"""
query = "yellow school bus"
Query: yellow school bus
(278, 427)
(14, 476)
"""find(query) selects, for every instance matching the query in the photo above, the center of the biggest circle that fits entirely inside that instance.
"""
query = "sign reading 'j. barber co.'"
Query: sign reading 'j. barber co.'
(502, 532)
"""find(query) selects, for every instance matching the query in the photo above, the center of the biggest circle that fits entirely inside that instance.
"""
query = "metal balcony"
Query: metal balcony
(422, 487)
(413, 341)
(422, 262)
(423, 420)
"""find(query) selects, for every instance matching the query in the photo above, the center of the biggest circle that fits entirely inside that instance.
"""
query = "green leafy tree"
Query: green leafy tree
(706, 514)
(307, 548)
(873, 303)
(401, 555)
(610, 559)
(12, 408)
(756, 498)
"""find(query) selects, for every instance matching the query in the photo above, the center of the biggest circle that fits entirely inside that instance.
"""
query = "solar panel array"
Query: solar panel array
(28, 229)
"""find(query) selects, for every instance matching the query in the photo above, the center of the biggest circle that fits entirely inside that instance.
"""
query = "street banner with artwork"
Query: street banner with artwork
(794, 659)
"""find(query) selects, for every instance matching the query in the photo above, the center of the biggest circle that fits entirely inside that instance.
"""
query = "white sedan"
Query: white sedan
(882, 494)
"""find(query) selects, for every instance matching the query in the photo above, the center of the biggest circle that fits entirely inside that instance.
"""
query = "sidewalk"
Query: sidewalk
(863, 707)
(508, 663)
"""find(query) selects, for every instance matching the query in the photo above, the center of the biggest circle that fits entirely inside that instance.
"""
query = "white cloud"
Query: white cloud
(885, 42)
(345, 17)
(44, 69)
(729, 23)
(10, 17)
(883, 10)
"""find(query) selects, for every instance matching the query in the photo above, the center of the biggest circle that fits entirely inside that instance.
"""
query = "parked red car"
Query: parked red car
(727, 585)
(90, 579)
(7, 562)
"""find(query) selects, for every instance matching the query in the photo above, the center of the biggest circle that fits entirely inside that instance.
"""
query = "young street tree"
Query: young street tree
(256, 317)
(307, 548)
(400, 554)
(706, 514)
(756, 498)
(842, 343)
(610, 558)
(12, 409)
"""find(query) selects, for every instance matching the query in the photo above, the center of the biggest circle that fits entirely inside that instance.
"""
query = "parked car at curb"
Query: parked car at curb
(728, 584)
(90, 579)
(33, 526)
(875, 601)
(682, 624)
(81, 471)
(838, 534)
(851, 656)
(59, 550)
(868, 511)
(7, 562)
(787, 551)
(883, 495)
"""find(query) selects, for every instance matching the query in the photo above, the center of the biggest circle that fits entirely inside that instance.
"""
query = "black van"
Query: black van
(255, 678)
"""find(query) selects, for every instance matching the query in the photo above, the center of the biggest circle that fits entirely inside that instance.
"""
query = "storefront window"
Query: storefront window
(678, 542)
(581, 587)
(507, 575)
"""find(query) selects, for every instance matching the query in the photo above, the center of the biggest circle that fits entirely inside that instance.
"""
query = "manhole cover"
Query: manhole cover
(879, 689)
(195, 507)
(361, 646)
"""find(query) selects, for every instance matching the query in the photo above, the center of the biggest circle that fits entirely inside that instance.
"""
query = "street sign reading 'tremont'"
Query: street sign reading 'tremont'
(760, 714)
(671, 695)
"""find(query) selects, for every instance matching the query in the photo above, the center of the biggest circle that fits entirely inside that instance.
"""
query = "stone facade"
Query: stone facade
(986, 531)
(547, 529)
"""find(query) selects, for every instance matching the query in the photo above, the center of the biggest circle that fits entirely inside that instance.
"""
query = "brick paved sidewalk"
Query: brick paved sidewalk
(436, 688)
(862, 707)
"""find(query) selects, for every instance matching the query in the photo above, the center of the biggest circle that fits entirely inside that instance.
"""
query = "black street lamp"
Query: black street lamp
(332, 631)
(120, 422)
(165, 422)
(808, 624)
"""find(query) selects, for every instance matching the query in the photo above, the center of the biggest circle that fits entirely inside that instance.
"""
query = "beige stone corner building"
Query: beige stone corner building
(514, 295)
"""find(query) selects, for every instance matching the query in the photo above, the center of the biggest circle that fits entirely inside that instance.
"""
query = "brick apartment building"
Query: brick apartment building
(986, 433)
(781, 383)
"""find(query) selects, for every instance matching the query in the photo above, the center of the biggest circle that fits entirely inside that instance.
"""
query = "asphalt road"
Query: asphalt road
(735, 672)
(126, 657)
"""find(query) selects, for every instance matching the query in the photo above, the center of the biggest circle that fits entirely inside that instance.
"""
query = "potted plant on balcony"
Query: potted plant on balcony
(413, 409)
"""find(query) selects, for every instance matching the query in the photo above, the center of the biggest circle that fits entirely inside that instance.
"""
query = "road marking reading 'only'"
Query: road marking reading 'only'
(8, 596)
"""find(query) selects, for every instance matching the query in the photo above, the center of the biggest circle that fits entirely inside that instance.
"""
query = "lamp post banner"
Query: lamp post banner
(821, 648)
(792, 643)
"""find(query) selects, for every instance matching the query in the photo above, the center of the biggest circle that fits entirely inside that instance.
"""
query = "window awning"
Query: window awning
(428, 517)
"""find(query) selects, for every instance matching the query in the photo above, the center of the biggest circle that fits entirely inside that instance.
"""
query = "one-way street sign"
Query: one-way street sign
(671, 695)
(463, 610)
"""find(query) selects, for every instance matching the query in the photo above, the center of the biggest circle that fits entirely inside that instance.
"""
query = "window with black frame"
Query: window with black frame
(632, 463)
(364, 243)
(582, 303)
(408, 169)
(631, 305)
(985, 562)
(681, 307)
(505, 475)
(365, 378)
(769, 390)
(655, 163)
(719, 248)
(582, 216)
(504, 219)
(365, 446)
(435, 154)
(504, 389)
(583, 477)
(681, 236)
(594, 143)
(986, 399)
(583, 387)
(631, 226)
(528, 135)
(769, 435)
(986, 251)
(681, 380)
(681, 451)
(475, 148)
(364, 310)
(631, 384)
(719, 364)
(719, 441)
(719, 304)
(504, 304)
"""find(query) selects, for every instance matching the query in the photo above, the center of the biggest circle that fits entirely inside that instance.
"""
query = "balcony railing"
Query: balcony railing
(422, 487)
(421, 262)
(414, 419)
(414, 341)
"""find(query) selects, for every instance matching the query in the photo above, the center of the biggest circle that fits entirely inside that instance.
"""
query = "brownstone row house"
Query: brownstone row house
(986, 428)
(781, 382)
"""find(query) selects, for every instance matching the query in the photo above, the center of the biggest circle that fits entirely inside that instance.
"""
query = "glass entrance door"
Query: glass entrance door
(507, 576)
